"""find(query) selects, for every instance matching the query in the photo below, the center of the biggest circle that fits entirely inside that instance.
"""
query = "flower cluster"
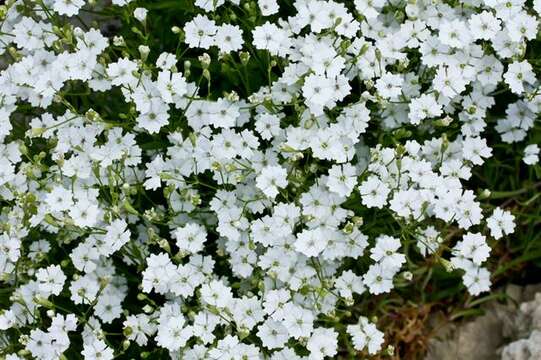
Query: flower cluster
(234, 188)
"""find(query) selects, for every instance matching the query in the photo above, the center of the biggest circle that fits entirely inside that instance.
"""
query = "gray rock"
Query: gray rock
(491, 335)
(528, 321)
(474, 340)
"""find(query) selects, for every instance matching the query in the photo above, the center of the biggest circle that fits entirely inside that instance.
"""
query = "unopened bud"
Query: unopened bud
(485, 194)
(446, 121)
(206, 74)
(348, 229)
(103, 283)
(244, 57)
(164, 244)
(449, 267)
(140, 14)
(205, 60)
(43, 302)
(127, 331)
(118, 41)
(35, 132)
(407, 275)
(243, 333)
(144, 51)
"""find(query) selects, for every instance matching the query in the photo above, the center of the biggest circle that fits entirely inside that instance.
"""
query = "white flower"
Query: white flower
(172, 334)
(97, 349)
(271, 38)
(228, 38)
(531, 154)
(366, 335)
(379, 279)
(84, 213)
(385, 252)
(40, 344)
(501, 222)
(85, 257)
(473, 246)
(449, 81)
(475, 149)
(154, 275)
(311, 242)
(140, 14)
(59, 199)
(140, 327)
(523, 26)
(200, 32)
(274, 304)
(203, 326)
(273, 334)
(519, 73)
(322, 343)
(122, 72)
(267, 125)
(423, 107)
(68, 7)
(166, 61)
(429, 241)
(190, 237)
(484, 25)
(85, 289)
(374, 192)
(108, 307)
(11, 247)
(389, 86)
(348, 283)
(299, 322)
(155, 117)
(247, 312)
(454, 33)
(268, 7)
(117, 236)
(172, 86)
(342, 179)
(317, 90)
(51, 280)
(477, 280)
(209, 5)
(271, 179)
(227, 348)
(369, 9)
(216, 294)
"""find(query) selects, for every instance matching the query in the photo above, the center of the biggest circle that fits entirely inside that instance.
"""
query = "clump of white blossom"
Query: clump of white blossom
(212, 225)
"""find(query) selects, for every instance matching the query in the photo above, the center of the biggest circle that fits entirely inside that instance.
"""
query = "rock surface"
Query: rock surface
(506, 331)
(528, 325)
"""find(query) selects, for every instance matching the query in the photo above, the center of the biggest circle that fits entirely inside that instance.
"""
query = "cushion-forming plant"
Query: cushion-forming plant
(239, 179)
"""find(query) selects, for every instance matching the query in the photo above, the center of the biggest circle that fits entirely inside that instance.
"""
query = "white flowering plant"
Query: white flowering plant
(261, 179)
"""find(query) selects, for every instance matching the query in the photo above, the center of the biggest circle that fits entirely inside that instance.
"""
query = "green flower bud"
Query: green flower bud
(449, 267)
(127, 331)
(164, 244)
(244, 57)
(206, 74)
(144, 51)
